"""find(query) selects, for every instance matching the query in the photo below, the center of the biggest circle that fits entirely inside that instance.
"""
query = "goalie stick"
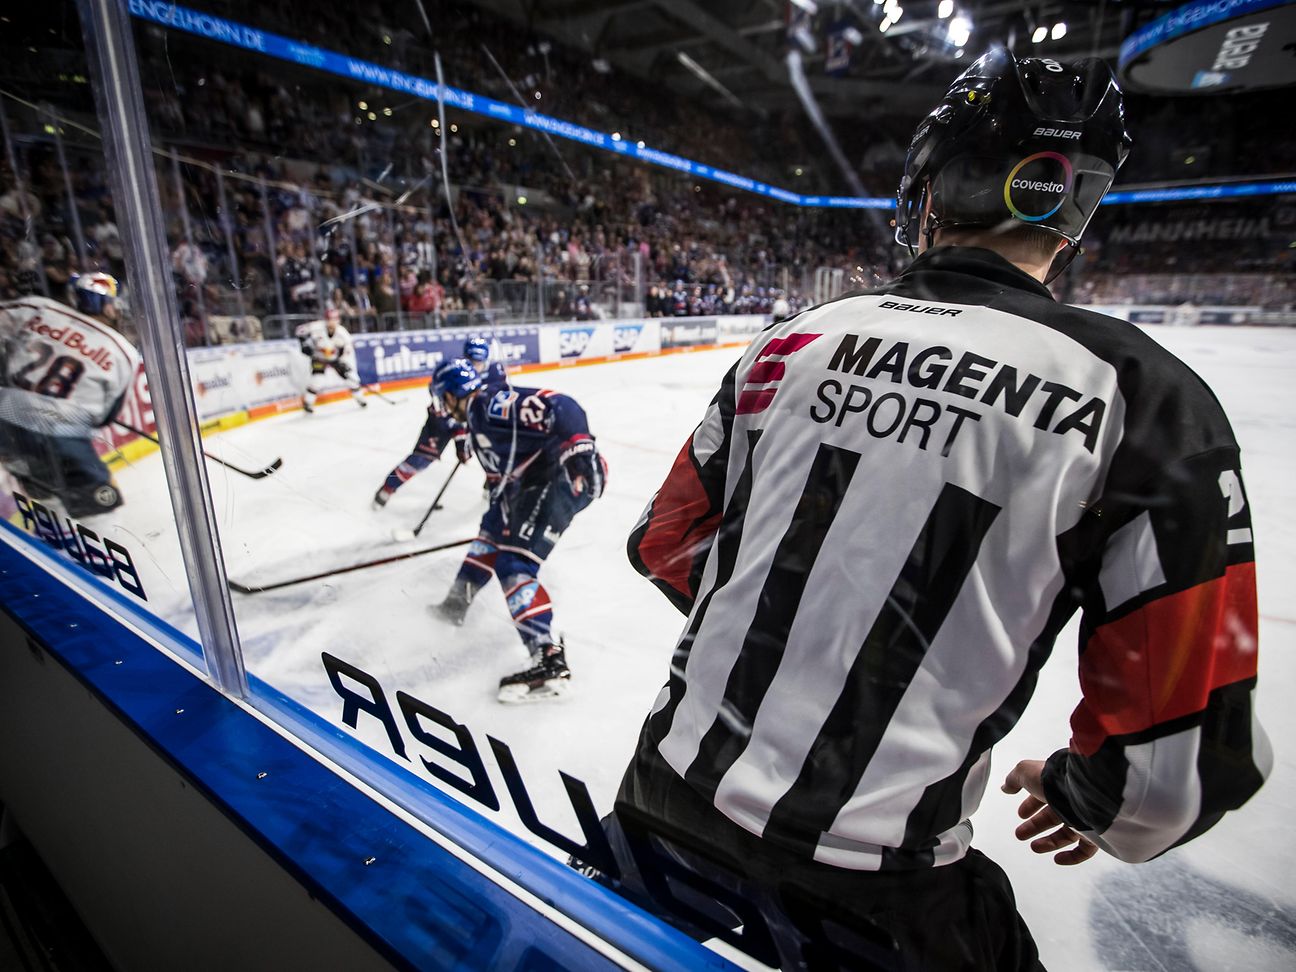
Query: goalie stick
(251, 474)
(239, 588)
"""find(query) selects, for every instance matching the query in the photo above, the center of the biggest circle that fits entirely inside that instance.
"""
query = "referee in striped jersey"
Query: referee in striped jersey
(890, 509)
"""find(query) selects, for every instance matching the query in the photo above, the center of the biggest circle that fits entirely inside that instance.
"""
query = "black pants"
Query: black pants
(704, 874)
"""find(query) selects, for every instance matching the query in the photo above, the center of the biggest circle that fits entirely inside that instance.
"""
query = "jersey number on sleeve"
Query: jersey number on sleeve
(1230, 484)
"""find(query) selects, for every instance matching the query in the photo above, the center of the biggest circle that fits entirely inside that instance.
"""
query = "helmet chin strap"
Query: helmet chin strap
(929, 232)
(1062, 261)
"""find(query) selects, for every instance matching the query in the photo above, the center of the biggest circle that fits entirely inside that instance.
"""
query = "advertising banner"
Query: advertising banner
(234, 377)
(597, 340)
(584, 341)
(687, 332)
(517, 345)
(212, 372)
(1212, 46)
(269, 372)
(1227, 315)
(1147, 315)
(136, 409)
(414, 354)
(741, 325)
(636, 337)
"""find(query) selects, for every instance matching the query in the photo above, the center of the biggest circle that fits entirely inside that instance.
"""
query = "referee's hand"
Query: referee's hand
(1040, 817)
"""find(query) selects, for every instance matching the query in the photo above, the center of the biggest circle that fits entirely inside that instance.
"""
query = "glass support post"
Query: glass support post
(74, 214)
(20, 186)
(227, 227)
(639, 281)
(354, 267)
(321, 299)
(110, 47)
(186, 227)
(540, 287)
(396, 267)
(272, 247)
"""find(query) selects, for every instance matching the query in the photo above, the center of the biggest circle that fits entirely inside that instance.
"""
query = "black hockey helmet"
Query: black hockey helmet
(1029, 140)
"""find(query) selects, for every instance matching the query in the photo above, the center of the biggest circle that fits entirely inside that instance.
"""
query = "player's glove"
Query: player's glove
(585, 469)
(463, 446)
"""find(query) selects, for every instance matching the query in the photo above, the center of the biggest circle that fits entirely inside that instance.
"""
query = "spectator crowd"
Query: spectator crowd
(290, 191)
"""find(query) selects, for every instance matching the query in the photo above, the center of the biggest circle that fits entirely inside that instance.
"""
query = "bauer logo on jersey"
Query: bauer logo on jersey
(771, 364)
(1037, 186)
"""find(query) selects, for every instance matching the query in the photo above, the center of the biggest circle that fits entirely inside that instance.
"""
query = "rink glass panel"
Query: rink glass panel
(273, 211)
(73, 379)
(282, 187)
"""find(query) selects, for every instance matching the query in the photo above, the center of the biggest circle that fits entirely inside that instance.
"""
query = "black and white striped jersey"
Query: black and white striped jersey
(891, 507)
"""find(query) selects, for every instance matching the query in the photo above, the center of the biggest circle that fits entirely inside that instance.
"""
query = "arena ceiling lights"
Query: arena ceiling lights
(262, 42)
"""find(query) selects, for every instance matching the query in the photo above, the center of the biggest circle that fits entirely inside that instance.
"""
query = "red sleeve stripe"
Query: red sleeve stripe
(678, 522)
(1162, 661)
(764, 372)
(787, 345)
(751, 402)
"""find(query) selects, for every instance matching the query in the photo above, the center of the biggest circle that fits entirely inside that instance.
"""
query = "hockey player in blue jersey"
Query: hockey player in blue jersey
(484, 357)
(439, 429)
(543, 468)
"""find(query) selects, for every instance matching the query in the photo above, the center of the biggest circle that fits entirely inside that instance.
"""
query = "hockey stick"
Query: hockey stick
(374, 390)
(256, 474)
(436, 505)
(257, 589)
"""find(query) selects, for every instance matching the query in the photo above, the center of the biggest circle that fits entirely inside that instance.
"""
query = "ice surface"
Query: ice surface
(1225, 901)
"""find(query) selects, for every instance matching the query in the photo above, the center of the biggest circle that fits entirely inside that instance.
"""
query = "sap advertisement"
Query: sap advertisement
(585, 341)
(416, 354)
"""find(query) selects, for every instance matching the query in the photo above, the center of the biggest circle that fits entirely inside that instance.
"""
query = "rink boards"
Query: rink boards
(173, 815)
(1225, 896)
(237, 383)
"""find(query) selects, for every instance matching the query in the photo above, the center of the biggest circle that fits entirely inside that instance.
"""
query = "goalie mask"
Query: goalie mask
(1030, 141)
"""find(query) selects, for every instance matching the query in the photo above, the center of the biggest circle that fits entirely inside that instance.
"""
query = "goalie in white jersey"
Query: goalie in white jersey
(63, 374)
(328, 345)
(894, 503)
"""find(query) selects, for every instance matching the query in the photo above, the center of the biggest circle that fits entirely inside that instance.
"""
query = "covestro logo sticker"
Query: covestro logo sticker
(1035, 183)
